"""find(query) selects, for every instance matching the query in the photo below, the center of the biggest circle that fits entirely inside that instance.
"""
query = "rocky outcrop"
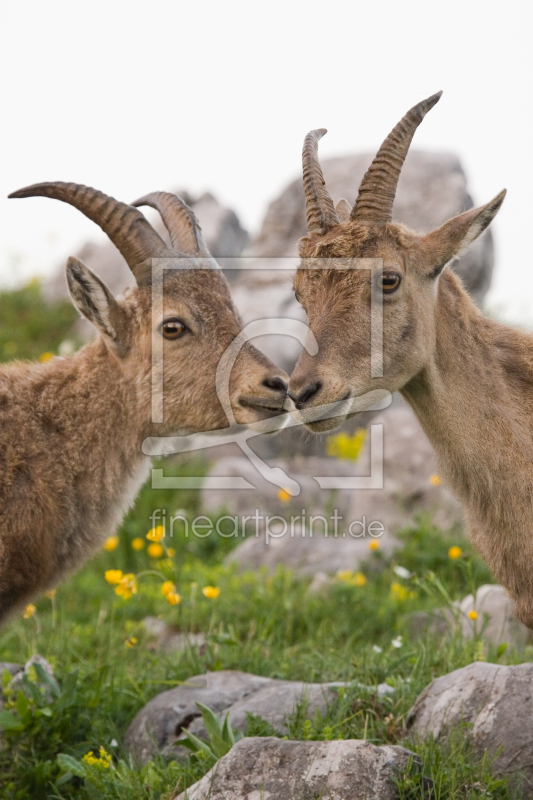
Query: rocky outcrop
(278, 770)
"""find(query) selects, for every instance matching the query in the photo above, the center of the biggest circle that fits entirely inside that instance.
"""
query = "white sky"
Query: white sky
(131, 97)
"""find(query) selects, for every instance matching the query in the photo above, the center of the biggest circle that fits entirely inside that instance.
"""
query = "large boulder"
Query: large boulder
(496, 702)
(432, 188)
(222, 231)
(158, 726)
(281, 770)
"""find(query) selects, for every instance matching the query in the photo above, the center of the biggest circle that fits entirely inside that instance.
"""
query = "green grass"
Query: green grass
(270, 625)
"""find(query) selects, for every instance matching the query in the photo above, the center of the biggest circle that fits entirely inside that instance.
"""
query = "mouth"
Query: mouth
(324, 417)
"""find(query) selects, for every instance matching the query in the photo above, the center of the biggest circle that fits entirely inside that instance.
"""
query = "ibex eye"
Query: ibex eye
(388, 282)
(173, 328)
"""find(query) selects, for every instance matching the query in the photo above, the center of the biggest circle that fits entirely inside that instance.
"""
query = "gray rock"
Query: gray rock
(16, 681)
(497, 702)
(13, 669)
(222, 231)
(169, 640)
(257, 768)
(495, 619)
(159, 724)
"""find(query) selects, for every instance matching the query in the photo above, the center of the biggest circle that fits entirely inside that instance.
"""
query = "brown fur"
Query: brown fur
(71, 430)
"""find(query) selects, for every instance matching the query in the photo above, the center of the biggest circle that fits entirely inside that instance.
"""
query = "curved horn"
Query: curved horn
(378, 187)
(180, 221)
(127, 228)
(321, 214)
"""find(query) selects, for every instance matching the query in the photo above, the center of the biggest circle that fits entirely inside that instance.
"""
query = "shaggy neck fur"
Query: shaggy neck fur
(474, 400)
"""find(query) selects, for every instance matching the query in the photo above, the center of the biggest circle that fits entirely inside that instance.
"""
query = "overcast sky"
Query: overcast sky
(130, 97)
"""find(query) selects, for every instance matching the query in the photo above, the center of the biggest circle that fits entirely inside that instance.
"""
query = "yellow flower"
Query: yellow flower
(113, 575)
(111, 544)
(167, 587)
(137, 543)
(30, 611)
(155, 550)
(171, 552)
(284, 496)
(351, 578)
(103, 760)
(435, 480)
(131, 641)
(156, 534)
(455, 552)
(50, 594)
(173, 598)
(359, 579)
(212, 592)
(472, 614)
(373, 545)
(398, 592)
(44, 357)
(345, 575)
(344, 446)
(127, 586)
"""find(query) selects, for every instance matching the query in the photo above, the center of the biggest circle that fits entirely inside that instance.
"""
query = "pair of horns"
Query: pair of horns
(378, 187)
(128, 228)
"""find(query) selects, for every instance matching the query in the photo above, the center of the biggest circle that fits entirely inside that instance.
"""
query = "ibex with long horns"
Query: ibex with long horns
(468, 379)
(71, 430)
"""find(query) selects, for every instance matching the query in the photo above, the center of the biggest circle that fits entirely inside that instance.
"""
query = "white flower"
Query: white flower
(377, 649)
(402, 572)
(114, 743)
(397, 642)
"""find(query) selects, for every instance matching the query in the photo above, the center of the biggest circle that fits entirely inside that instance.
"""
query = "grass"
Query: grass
(268, 624)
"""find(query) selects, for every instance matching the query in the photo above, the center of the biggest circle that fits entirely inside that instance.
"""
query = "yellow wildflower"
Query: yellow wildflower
(344, 446)
(171, 552)
(351, 578)
(127, 586)
(103, 760)
(212, 592)
(398, 592)
(345, 575)
(284, 496)
(137, 543)
(373, 545)
(131, 641)
(359, 579)
(173, 598)
(30, 611)
(455, 552)
(156, 534)
(111, 544)
(44, 357)
(50, 594)
(167, 587)
(435, 480)
(155, 550)
(472, 614)
(113, 575)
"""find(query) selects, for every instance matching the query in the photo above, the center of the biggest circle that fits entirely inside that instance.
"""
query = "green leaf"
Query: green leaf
(219, 746)
(212, 723)
(44, 677)
(9, 722)
(22, 704)
(501, 649)
(227, 731)
(69, 764)
(197, 744)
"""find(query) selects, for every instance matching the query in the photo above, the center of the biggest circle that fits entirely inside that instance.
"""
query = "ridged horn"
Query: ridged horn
(127, 228)
(321, 214)
(180, 221)
(378, 188)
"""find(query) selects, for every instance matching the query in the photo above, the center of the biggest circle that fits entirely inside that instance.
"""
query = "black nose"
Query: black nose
(277, 384)
(306, 394)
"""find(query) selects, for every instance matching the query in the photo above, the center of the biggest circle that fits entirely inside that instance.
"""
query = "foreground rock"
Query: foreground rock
(270, 768)
(497, 702)
(159, 724)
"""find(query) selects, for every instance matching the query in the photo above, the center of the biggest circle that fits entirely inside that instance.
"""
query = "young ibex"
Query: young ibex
(71, 430)
(468, 379)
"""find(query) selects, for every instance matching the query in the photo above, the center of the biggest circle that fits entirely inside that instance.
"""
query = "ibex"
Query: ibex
(71, 430)
(468, 379)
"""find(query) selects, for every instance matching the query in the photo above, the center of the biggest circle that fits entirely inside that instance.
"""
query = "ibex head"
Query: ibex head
(337, 297)
(196, 324)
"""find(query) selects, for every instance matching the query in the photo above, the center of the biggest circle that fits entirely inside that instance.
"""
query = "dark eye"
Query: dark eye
(173, 328)
(388, 282)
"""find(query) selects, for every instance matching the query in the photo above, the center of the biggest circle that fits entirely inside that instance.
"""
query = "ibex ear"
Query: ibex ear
(343, 209)
(93, 299)
(453, 238)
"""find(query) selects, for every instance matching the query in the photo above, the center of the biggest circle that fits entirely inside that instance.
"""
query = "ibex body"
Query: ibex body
(71, 430)
(468, 379)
